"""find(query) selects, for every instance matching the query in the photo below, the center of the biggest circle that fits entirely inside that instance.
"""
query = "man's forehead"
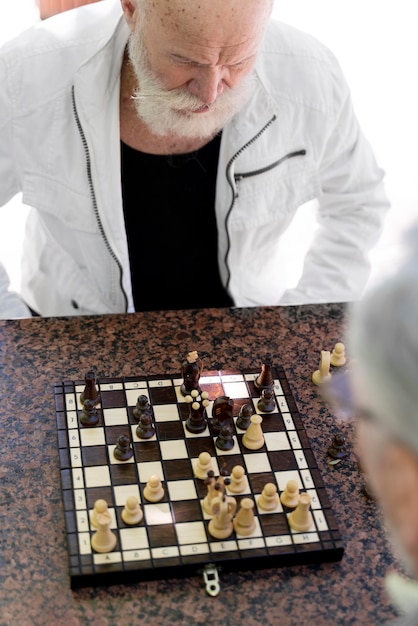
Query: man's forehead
(174, 12)
(199, 29)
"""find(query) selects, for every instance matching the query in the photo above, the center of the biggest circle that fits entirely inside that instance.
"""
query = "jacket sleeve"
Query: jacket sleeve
(352, 207)
(11, 304)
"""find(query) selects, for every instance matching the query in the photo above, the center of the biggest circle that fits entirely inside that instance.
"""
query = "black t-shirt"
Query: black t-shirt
(169, 207)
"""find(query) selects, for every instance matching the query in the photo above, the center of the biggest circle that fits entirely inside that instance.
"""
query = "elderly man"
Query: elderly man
(165, 147)
(384, 338)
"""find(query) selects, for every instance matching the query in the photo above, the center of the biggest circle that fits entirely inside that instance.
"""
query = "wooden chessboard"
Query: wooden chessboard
(173, 538)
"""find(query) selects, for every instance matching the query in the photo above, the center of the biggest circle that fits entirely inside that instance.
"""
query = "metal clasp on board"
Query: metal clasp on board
(211, 578)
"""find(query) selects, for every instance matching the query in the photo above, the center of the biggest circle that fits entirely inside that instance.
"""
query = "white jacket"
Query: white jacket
(296, 139)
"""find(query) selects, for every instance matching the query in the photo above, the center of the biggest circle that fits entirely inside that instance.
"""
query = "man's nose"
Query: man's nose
(208, 84)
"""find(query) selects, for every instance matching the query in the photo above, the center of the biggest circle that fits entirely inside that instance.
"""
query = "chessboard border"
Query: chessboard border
(113, 574)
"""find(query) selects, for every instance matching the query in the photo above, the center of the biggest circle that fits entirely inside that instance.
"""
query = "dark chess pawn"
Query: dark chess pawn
(266, 403)
(265, 379)
(90, 390)
(145, 428)
(225, 440)
(89, 415)
(123, 449)
(337, 450)
(244, 416)
(142, 406)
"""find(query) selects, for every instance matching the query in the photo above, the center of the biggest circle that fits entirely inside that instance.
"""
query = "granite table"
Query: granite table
(34, 580)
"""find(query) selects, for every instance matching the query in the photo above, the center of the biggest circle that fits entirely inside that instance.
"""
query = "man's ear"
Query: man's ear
(129, 9)
(400, 502)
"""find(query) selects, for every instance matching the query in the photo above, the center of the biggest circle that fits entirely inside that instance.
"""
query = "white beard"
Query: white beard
(169, 112)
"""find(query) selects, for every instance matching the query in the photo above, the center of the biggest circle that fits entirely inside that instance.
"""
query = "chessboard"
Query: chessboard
(172, 538)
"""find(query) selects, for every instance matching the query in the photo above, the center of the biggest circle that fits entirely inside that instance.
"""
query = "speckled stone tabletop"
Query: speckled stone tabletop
(34, 580)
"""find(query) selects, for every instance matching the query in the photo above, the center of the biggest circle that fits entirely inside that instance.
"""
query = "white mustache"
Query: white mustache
(186, 98)
(144, 96)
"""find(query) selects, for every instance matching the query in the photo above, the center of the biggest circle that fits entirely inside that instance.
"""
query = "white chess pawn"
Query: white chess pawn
(100, 506)
(322, 375)
(269, 498)
(244, 522)
(154, 491)
(132, 513)
(338, 355)
(290, 495)
(103, 539)
(253, 439)
(203, 465)
(301, 518)
(238, 482)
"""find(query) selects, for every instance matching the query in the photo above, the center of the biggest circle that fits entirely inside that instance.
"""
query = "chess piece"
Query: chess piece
(99, 507)
(212, 493)
(244, 522)
(154, 491)
(338, 355)
(103, 540)
(203, 465)
(238, 482)
(244, 416)
(337, 450)
(123, 449)
(191, 369)
(142, 407)
(253, 439)
(196, 422)
(90, 390)
(301, 518)
(89, 415)
(290, 496)
(322, 375)
(266, 403)
(225, 440)
(223, 510)
(132, 513)
(269, 498)
(265, 379)
(222, 410)
(145, 428)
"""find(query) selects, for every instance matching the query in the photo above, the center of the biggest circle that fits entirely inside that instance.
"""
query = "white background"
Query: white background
(376, 44)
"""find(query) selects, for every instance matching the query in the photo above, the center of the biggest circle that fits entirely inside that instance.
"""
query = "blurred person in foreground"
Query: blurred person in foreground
(384, 343)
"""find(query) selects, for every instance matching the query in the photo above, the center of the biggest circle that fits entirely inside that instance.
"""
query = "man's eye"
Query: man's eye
(240, 64)
(180, 61)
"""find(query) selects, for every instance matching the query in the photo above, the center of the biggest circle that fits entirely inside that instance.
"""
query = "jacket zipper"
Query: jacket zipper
(94, 199)
(238, 177)
(262, 170)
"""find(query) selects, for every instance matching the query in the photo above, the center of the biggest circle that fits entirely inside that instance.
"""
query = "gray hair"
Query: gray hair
(383, 337)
